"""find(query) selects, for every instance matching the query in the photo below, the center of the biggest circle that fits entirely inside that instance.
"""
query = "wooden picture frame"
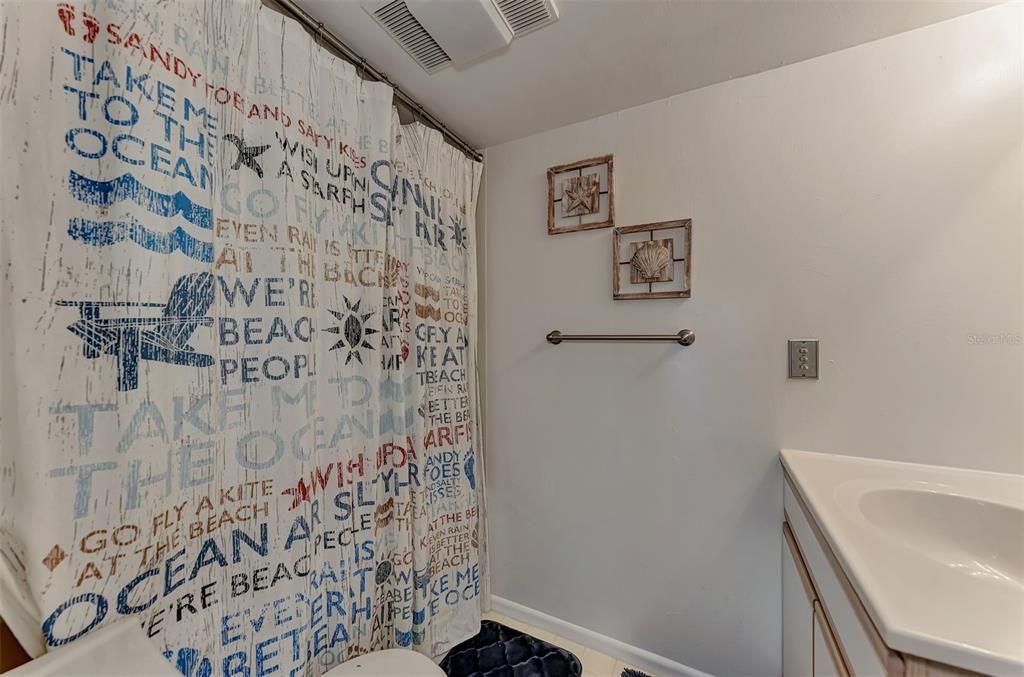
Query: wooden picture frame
(569, 221)
(680, 255)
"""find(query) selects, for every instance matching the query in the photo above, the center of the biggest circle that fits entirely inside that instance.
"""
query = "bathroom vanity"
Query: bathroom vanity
(900, 569)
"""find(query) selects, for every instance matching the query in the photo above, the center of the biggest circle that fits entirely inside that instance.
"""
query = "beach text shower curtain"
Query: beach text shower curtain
(237, 379)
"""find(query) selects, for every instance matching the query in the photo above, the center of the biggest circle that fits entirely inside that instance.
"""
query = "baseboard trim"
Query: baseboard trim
(641, 658)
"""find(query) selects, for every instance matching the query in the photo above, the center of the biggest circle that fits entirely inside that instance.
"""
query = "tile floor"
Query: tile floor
(595, 663)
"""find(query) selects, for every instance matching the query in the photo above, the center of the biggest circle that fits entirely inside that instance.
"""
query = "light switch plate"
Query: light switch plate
(803, 358)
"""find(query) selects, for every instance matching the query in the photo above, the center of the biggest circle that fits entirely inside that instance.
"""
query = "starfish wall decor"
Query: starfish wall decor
(581, 195)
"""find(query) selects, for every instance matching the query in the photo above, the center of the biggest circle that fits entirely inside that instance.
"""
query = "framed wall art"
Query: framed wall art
(652, 261)
(581, 196)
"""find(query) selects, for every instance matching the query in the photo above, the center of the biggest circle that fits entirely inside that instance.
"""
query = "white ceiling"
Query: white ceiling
(606, 55)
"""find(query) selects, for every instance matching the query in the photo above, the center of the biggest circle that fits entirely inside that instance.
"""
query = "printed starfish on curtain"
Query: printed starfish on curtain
(247, 154)
(458, 232)
(353, 330)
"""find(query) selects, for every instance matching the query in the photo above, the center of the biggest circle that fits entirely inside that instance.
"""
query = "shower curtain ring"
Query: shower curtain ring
(320, 34)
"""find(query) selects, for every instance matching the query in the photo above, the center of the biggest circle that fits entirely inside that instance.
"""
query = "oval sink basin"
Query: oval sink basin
(980, 538)
(935, 554)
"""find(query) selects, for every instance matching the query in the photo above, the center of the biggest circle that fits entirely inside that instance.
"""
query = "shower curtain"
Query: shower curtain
(238, 363)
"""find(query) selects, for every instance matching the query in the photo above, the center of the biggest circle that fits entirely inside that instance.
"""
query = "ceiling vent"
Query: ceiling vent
(524, 16)
(395, 18)
(440, 33)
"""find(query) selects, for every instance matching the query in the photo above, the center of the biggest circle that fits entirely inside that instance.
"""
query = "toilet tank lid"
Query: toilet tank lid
(388, 663)
(120, 649)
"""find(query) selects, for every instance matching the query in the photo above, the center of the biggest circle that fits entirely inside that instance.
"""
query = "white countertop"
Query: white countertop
(935, 554)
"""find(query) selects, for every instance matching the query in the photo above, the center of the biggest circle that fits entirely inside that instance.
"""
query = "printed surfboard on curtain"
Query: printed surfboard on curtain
(237, 365)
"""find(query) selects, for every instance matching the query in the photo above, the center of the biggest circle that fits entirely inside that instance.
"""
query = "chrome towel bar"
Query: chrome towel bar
(684, 338)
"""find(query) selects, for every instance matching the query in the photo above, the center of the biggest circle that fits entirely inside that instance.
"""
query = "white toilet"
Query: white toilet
(122, 650)
(388, 663)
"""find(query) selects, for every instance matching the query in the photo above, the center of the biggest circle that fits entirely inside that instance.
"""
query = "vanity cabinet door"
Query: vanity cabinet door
(797, 614)
(827, 659)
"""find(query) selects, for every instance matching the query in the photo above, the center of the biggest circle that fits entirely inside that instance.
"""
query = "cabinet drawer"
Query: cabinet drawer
(797, 612)
(828, 660)
(859, 645)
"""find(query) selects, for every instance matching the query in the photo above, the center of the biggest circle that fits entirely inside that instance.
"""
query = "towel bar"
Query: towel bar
(684, 338)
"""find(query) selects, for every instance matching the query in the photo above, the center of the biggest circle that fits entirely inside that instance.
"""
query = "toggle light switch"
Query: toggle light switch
(803, 358)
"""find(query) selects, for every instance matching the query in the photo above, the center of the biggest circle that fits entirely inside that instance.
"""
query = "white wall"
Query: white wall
(870, 198)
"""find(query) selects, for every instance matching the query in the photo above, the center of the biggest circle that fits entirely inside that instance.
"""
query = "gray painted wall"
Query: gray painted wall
(870, 198)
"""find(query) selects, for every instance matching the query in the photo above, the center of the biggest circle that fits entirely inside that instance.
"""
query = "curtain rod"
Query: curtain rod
(318, 28)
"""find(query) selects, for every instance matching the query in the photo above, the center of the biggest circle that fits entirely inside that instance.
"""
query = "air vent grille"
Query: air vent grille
(524, 16)
(397, 20)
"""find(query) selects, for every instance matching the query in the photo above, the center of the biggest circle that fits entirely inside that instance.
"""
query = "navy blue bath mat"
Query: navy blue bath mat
(501, 651)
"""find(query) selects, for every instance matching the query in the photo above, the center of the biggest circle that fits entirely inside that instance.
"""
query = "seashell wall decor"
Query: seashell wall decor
(651, 262)
(657, 257)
